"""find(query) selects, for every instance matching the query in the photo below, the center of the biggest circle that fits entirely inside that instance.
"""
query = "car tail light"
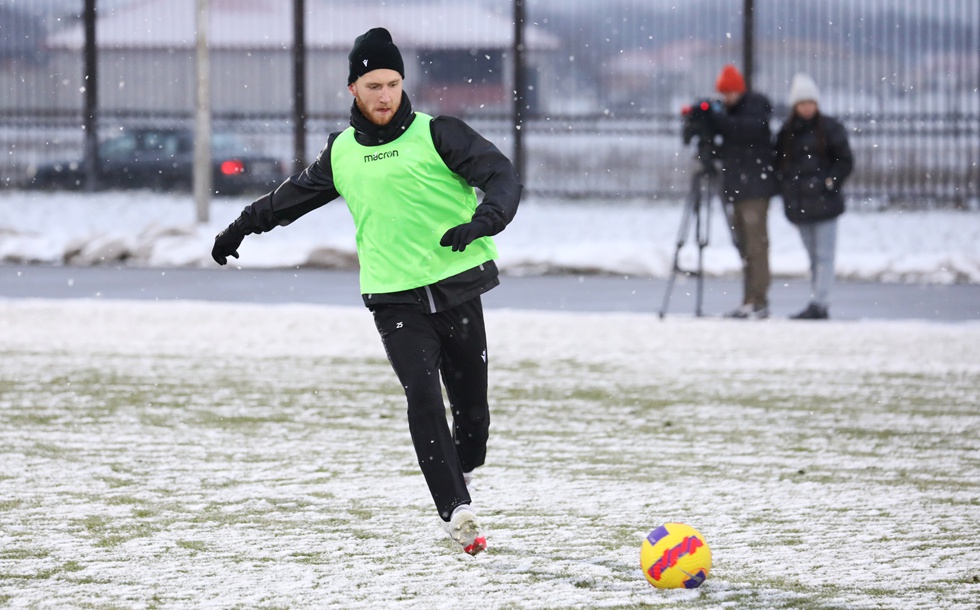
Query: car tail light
(232, 167)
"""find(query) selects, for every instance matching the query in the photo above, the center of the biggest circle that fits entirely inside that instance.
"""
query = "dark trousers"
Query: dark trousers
(451, 345)
(751, 224)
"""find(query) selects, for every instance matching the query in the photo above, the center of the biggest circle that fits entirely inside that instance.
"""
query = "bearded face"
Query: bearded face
(378, 94)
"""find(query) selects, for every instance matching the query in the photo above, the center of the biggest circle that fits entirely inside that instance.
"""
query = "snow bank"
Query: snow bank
(152, 230)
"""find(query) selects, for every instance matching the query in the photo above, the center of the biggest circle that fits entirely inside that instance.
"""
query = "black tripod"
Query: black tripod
(705, 188)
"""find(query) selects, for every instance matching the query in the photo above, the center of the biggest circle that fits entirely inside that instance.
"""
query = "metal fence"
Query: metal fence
(603, 82)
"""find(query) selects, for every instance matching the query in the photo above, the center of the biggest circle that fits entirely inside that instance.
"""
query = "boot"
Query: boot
(812, 312)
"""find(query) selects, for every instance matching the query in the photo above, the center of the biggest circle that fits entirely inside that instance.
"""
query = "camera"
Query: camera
(696, 123)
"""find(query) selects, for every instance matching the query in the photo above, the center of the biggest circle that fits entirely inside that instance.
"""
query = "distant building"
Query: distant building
(457, 56)
(662, 79)
(21, 38)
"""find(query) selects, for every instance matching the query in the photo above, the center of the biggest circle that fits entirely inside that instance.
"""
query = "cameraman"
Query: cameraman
(748, 183)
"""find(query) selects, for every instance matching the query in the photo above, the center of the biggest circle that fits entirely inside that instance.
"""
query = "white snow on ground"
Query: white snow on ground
(255, 456)
(252, 456)
(146, 229)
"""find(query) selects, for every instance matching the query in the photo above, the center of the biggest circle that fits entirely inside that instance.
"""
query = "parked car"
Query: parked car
(163, 160)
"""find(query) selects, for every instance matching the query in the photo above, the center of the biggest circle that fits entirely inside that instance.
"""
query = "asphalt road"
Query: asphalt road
(596, 293)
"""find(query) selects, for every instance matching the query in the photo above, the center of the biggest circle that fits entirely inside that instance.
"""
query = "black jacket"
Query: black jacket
(813, 160)
(465, 153)
(746, 148)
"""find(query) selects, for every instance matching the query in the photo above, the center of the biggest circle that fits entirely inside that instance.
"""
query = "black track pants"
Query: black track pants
(452, 345)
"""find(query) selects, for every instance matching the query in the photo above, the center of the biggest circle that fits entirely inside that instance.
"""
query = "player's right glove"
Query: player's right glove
(227, 242)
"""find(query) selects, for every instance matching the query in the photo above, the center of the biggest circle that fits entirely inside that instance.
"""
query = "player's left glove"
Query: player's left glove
(463, 235)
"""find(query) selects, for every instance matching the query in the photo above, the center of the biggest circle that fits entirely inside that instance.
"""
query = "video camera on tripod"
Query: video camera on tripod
(697, 125)
(705, 188)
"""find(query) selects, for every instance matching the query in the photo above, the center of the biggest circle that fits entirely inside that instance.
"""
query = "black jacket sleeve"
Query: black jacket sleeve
(838, 152)
(300, 194)
(483, 166)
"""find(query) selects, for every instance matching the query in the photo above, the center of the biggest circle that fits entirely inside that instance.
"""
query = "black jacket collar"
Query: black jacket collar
(369, 134)
(798, 123)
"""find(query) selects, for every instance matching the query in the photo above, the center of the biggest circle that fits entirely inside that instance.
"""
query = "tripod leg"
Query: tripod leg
(675, 268)
(668, 290)
(692, 207)
(703, 236)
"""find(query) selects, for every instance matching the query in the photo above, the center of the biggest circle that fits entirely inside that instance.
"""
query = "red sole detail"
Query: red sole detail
(480, 544)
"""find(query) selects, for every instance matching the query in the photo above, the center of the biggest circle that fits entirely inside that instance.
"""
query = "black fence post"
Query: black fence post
(520, 86)
(748, 41)
(299, 85)
(90, 79)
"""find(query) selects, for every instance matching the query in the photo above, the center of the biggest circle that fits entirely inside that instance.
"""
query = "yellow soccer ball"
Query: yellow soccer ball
(675, 556)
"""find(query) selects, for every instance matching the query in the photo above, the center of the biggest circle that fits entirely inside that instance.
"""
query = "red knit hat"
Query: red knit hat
(730, 80)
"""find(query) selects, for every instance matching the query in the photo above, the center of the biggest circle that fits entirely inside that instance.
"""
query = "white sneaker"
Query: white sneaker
(748, 312)
(465, 529)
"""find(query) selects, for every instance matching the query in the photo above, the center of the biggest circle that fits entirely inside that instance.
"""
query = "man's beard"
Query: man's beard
(371, 116)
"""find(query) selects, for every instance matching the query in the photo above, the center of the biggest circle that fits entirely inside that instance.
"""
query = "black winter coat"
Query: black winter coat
(813, 159)
(746, 148)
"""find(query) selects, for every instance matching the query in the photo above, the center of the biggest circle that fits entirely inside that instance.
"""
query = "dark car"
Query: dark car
(163, 160)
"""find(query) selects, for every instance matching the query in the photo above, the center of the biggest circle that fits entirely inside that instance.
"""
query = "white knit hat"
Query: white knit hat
(803, 89)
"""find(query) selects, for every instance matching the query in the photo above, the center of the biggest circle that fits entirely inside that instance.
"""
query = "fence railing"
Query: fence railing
(604, 83)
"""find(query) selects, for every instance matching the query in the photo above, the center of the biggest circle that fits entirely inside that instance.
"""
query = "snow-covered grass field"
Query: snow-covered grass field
(161, 455)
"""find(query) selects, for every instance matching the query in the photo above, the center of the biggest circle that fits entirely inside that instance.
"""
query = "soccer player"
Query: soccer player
(425, 252)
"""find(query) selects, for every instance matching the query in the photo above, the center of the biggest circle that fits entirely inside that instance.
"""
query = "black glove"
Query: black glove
(463, 235)
(226, 243)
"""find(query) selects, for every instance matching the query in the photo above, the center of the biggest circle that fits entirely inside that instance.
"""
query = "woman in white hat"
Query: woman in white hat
(813, 159)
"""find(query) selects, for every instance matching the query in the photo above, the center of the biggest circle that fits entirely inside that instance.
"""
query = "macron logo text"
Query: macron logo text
(379, 156)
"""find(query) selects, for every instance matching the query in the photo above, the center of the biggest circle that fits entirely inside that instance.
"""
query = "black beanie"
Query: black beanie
(374, 50)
